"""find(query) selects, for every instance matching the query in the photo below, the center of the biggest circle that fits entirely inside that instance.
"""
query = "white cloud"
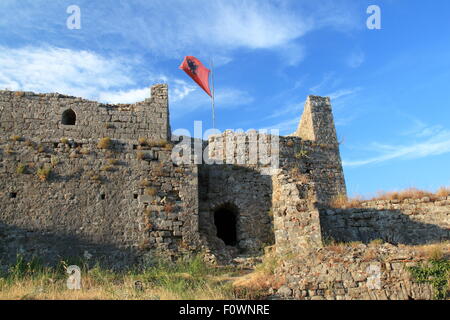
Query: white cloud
(437, 144)
(78, 73)
(127, 96)
(106, 79)
(342, 93)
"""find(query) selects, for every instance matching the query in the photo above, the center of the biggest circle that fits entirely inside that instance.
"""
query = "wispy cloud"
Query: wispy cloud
(205, 28)
(437, 143)
(106, 79)
(79, 73)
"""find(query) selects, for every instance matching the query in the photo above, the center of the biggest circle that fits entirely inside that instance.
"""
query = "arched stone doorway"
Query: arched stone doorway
(225, 220)
(69, 118)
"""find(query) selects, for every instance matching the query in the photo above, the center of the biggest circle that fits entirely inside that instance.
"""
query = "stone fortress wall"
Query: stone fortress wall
(115, 202)
(128, 200)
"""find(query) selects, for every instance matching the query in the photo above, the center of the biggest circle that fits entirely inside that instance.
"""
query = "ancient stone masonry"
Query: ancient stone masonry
(357, 272)
(411, 221)
(50, 116)
(105, 185)
(81, 178)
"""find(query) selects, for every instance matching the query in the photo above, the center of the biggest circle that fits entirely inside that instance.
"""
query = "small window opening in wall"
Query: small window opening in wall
(103, 196)
(13, 195)
(225, 219)
(69, 118)
(134, 146)
(135, 196)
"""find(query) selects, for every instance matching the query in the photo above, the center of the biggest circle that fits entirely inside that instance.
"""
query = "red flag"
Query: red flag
(197, 71)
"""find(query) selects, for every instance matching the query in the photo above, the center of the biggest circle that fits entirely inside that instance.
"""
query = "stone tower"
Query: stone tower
(317, 122)
(317, 125)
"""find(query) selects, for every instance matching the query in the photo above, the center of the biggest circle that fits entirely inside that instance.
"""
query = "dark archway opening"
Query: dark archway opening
(225, 220)
(69, 118)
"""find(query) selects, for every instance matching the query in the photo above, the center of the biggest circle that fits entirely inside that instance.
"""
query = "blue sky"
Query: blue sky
(389, 87)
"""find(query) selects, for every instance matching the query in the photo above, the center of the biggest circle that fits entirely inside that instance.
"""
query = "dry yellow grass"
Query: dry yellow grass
(45, 290)
(341, 201)
(411, 193)
(104, 143)
(434, 251)
(443, 192)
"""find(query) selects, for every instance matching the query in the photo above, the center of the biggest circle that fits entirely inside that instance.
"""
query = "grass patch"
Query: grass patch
(44, 173)
(85, 151)
(104, 143)
(16, 138)
(144, 183)
(151, 191)
(107, 168)
(188, 279)
(113, 162)
(342, 201)
(21, 168)
(157, 143)
(140, 155)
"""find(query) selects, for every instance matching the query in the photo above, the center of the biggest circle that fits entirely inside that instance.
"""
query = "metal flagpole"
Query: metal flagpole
(212, 98)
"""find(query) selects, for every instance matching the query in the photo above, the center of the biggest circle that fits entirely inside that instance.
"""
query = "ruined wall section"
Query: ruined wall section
(241, 181)
(411, 221)
(40, 116)
(277, 186)
(358, 272)
(118, 204)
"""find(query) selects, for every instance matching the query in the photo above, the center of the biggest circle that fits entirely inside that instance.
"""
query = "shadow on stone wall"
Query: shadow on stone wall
(368, 224)
(249, 193)
(51, 248)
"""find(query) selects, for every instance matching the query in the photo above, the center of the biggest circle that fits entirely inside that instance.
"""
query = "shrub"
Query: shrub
(436, 272)
(19, 93)
(94, 176)
(142, 141)
(376, 242)
(443, 192)
(107, 168)
(140, 155)
(9, 150)
(44, 173)
(113, 162)
(411, 193)
(85, 151)
(342, 201)
(54, 160)
(16, 138)
(144, 183)
(40, 148)
(104, 143)
(157, 143)
(21, 168)
(301, 154)
(151, 191)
